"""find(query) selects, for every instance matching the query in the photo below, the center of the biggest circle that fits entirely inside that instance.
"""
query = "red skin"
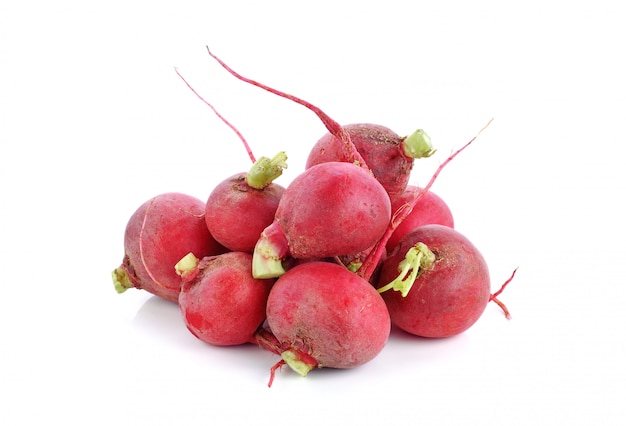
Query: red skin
(223, 305)
(328, 315)
(236, 213)
(381, 149)
(333, 209)
(159, 233)
(429, 209)
(447, 299)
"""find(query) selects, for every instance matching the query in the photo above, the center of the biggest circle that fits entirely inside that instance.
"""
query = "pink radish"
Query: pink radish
(241, 206)
(435, 283)
(329, 210)
(322, 315)
(220, 302)
(160, 232)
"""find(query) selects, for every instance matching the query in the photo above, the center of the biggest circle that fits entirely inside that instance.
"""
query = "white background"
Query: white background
(94, 121)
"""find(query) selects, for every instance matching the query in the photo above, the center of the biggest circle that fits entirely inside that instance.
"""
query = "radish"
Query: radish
(389, 156)
(158, 234)
(329, 210)
(242, 206)
(322, 315)
(440, 282)
(429, 209)
(221, 303)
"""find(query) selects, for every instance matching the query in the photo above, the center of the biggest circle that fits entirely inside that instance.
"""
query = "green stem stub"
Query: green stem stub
(121, 280)
(187, 265)
(418, 259)
(298, 363)
(418, 145)
(265, 170)
(269, 252)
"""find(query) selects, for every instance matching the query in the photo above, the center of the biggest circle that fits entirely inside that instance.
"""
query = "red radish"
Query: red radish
(429, 209)
(448, 284)
(242, 206)
(158, 234)
(329, 210)
(220, 302)
(389, 156)
(323, 315)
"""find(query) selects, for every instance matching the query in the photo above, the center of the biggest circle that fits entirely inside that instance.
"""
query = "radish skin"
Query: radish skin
(331, 209)
(322, 315)
(158, 234)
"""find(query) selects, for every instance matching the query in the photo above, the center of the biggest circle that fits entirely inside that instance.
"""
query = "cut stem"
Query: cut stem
(121, 280)
(269, 252)
(265, 170)
(417, 259)
(187, 267)
(298, 363)
(418, 145)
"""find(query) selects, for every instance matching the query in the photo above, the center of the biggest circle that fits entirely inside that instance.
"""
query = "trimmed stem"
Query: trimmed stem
(121, 280)
(418, 145)
(333, 127)
(265, 170)
(299, 362)
(418, 259)
(187, 267)
(270, 250)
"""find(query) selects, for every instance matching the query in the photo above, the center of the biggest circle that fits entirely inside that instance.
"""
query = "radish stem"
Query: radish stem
(265, 170)
(418, 145)
(416, 260)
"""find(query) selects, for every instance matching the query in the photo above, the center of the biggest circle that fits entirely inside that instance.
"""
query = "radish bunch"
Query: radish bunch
(319, 270)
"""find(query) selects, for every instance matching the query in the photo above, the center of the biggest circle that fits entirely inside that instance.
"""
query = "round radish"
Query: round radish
(331, 209)
(323, 315)
(389, 156)
(435, 282)
(160, 232)
(220, 302)
(429, 209)
(242, 206)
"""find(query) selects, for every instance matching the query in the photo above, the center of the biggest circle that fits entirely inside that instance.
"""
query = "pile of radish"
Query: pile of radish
(320, 270)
